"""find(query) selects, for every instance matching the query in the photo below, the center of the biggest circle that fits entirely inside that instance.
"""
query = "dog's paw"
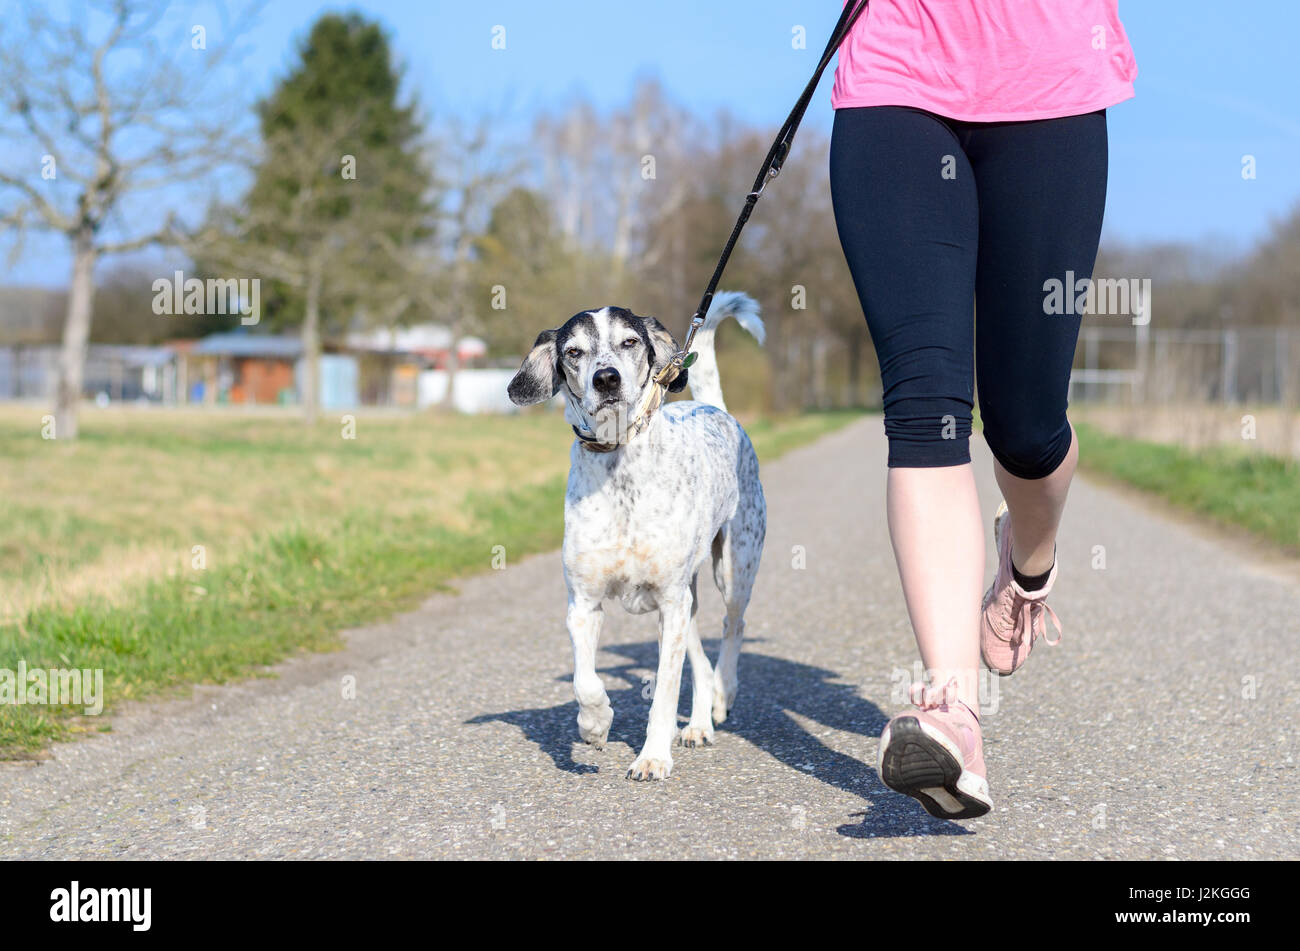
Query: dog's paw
(724, 698)
(722, 706)
(692, 736)
(593, 724)
(646, 768)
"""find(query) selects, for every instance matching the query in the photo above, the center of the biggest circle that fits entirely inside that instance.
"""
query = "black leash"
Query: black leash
(771, 167)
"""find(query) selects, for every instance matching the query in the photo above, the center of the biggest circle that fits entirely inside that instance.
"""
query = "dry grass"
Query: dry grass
(143, 487)
(1199, 426)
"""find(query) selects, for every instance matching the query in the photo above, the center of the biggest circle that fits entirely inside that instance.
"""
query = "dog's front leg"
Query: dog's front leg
(594, 712)
(656, 761)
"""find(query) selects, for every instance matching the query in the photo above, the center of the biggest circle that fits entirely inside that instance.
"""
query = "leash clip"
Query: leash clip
(684, 357)
(672, 369)
(772, 173)
(777, 161)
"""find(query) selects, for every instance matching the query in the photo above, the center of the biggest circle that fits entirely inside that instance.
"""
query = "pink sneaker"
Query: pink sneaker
(1012, 617)
(935, 754)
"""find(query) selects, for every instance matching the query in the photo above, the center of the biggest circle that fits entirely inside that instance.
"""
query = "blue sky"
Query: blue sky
(1216, 82)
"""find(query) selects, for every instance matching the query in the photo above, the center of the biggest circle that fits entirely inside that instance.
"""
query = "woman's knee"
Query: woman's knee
(1029, 451)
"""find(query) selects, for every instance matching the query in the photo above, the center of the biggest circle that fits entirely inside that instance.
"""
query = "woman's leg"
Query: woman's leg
(1042, 191)
(1036, 506)
(938, 536)
(906, 210)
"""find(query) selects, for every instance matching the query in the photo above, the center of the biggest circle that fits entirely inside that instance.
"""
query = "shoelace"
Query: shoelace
(927, 697)
(1030, 618)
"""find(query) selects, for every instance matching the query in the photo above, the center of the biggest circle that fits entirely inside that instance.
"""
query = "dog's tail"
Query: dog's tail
(705, 384)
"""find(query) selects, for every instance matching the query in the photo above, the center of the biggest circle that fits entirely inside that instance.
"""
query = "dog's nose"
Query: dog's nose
(606, 380)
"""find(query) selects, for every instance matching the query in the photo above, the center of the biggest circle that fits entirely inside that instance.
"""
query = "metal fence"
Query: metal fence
(1256, 365)
(119, 372)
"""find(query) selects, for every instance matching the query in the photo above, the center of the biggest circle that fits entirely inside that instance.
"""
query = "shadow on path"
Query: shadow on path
(771, 690)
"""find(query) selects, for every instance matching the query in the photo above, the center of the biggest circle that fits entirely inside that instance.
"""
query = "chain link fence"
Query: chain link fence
(1192, 387)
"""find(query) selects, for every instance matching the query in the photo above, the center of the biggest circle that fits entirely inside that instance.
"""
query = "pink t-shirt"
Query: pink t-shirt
(987, 60)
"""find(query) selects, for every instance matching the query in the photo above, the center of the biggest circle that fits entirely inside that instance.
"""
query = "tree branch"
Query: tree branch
(54, 219)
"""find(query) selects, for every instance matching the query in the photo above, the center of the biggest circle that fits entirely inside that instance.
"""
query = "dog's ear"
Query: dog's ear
(663, 347)
(537, 379)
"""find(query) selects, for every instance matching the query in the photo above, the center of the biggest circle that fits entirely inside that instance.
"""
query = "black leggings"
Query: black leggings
(934, 213)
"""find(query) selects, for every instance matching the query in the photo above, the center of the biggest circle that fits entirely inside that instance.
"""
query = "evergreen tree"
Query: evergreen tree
(340, 188)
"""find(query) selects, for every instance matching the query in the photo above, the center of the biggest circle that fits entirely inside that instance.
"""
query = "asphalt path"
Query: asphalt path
(1164, 726)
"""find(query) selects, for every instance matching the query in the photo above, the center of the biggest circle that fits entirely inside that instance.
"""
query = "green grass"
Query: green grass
(774, 436)
(1234, 487)
(306, 534)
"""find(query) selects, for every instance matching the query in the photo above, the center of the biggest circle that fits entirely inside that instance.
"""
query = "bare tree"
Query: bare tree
(570, 145)
(635, 133)
(477, 173)
(110, 105)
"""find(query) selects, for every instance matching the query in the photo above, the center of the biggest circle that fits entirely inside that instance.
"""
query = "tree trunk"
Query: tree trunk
(855, 368)
(458, 299)
(448, 403)
(778, 348)
(820, 388)
(622, 232)
(311, 347)
(1288, 396)
(76, 333)
(802, 363)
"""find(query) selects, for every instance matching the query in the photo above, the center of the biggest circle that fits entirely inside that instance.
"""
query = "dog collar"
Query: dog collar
(591, 443)
(650, 402)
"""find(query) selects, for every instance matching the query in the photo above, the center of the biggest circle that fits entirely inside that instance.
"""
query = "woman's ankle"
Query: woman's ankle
(964, 685)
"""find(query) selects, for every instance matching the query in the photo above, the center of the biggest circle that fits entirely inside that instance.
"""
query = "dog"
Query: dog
(653, 492)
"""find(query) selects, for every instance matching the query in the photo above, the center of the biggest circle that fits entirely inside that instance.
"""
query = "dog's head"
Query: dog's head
(604, 358)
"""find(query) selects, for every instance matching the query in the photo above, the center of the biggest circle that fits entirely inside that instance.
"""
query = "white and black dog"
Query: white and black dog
(649, 500)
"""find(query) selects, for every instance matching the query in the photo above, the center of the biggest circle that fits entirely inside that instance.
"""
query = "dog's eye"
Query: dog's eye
(629, 343)
(573, 353)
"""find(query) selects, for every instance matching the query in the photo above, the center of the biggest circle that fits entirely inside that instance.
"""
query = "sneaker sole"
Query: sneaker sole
(920, 762)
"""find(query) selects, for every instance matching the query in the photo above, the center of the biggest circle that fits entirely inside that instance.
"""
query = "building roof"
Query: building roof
(134, 356)
(420, 338)
(471, 347)
(249, 345)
